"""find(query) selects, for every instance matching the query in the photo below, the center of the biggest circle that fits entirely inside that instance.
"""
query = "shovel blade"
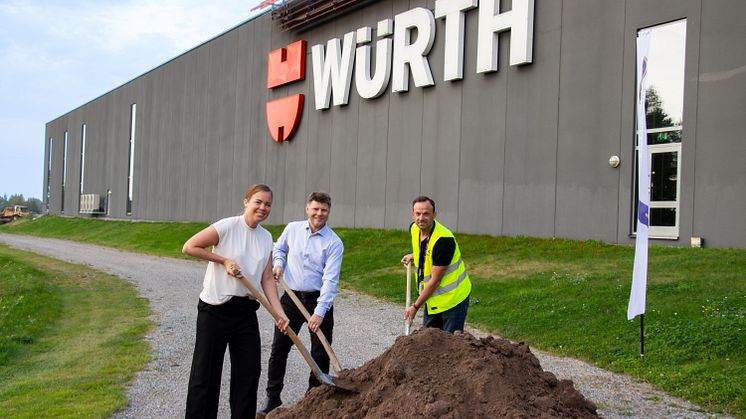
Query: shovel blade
(338, 382)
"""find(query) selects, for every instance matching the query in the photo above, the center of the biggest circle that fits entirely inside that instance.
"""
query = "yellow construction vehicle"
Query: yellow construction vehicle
(11, 213)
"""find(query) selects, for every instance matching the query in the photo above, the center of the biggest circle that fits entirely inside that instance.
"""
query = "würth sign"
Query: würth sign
(396, 56)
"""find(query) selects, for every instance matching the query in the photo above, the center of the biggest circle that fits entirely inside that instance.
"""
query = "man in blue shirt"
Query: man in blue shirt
(309, 254)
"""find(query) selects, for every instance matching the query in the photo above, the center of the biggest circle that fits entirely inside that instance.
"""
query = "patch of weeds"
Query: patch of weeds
(724, 308)
(570, 278)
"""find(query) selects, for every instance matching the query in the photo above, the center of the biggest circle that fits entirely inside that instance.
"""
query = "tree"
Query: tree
(34, 205)
(16, 200)
(656, 116)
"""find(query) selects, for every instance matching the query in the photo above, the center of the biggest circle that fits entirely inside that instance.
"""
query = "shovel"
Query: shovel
(320, 375)
(408, 324)
(307, 315)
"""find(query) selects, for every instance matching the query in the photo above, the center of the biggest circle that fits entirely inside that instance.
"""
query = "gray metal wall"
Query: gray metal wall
(523, 151)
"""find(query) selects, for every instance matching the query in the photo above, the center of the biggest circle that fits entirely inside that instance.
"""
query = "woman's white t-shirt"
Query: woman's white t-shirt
(248, 247)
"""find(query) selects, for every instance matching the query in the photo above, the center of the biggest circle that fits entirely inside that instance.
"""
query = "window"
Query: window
(82, 157)
(130, 173)
(49, 171)
(64, 173)
(665, 109)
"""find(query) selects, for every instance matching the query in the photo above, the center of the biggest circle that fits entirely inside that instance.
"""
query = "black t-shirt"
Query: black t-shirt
(442, 252)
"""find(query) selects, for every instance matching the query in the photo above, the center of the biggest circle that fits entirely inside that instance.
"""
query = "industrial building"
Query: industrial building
(517, 117)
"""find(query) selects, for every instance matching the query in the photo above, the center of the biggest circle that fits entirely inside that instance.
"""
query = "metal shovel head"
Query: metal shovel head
(337, 382)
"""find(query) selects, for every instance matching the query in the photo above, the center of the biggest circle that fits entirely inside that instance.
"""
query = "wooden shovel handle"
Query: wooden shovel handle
(303, 351)
(408, 324)
(307, 315)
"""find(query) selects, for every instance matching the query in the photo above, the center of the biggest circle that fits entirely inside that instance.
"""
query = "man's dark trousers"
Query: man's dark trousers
(282, 343)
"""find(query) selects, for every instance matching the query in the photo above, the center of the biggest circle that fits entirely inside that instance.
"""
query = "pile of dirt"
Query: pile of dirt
(436, 374)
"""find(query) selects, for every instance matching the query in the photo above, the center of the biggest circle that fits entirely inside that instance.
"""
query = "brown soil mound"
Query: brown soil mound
(435, 374)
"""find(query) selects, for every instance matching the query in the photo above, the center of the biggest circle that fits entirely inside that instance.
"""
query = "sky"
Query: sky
(666, 66)
(58, 55)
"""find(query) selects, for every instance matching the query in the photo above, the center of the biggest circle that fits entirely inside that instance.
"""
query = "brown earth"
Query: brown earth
(435, 374)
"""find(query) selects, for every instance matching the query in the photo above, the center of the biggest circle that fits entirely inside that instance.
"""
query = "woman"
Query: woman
(226, 313)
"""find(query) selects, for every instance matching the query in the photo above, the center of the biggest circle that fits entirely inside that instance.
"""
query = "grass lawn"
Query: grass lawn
(70, 338)
(566, 297)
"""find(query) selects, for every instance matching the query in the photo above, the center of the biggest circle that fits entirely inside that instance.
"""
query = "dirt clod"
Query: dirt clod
(435, 374)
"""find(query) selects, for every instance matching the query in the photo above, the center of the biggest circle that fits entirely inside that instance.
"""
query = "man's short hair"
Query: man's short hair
(423, 198)
(320, 197)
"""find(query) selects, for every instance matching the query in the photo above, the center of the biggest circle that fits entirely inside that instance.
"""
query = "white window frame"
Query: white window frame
(64, 174)
(661, 232)
(131, 162)
(82, 156)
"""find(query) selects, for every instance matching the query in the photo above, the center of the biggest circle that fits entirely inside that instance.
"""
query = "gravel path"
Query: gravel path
(364, 328)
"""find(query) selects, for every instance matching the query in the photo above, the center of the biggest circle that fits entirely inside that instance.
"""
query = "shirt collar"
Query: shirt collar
(321, 232)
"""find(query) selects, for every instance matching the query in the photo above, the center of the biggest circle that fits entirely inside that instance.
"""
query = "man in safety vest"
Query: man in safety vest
(442, 281)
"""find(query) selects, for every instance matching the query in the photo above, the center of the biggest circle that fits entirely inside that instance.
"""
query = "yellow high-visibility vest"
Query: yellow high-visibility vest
(455, 285)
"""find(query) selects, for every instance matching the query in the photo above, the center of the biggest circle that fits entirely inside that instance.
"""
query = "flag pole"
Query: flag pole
(642, 336)
(638, 291)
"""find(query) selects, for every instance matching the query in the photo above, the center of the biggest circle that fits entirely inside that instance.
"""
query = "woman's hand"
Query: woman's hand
(232, 268)
(282, 323)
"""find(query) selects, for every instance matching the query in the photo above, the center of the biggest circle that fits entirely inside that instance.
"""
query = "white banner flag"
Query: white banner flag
(640, 271)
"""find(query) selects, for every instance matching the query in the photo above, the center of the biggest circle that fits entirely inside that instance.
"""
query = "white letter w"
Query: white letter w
(333, 71)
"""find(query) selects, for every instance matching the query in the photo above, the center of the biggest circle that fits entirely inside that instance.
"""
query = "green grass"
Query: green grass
(566, 297)
(163, 239)
(70, 338)
(27, 304)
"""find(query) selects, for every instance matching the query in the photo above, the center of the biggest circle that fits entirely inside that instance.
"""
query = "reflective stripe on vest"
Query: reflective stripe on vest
(452, 286)
(451, 268)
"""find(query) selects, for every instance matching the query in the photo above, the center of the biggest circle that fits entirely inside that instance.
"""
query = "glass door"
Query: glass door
(665, 172)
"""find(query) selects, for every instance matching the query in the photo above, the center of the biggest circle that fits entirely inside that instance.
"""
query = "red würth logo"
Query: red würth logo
(285, 66)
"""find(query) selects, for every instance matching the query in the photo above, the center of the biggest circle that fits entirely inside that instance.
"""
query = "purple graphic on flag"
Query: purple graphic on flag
(644, 74)
(642, 213)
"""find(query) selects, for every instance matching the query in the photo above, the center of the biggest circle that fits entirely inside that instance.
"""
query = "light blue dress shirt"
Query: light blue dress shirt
(311, 261)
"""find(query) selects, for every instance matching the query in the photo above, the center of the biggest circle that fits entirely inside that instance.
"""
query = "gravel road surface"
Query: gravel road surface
(364, 328)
